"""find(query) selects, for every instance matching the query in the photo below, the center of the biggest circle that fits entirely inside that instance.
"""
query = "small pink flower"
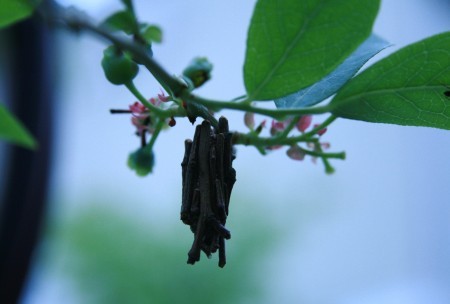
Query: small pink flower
(163, 97)
(296, 153)
(272, 148)
(325, 145)
(155, 101)
(140, 117)
(304, 123)
(249, 120)
(277, 126)
(137, 108)
(320, 132)
(139, 124)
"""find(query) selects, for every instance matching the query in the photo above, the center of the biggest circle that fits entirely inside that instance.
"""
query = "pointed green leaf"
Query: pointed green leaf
(292, 44)
(15, 10)
(409, 87)
(12, 130)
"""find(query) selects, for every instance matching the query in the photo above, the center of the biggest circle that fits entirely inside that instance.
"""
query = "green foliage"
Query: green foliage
(141, 161)
(406, 88)
(292, 44)
(117, 259)
(12, 11)
(334, 81)
(128, 4)
(119, 68)
(13, 131)
(121, 21)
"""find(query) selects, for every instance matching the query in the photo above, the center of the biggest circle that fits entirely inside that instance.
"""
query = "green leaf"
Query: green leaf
(331, 83)
(15, 10)
(152, 33)
(409, 87)
(121, 21)
(12, 130)
(292, 44)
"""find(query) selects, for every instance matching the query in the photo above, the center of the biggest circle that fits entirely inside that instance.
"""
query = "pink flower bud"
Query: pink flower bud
(139, 124)
(295, 153)
(155, 101)
(163, 97)
(137, 108)
(249, 120)
(320, 132)
(277, 126)
(272, 148)
(325, 145)
(304, 122)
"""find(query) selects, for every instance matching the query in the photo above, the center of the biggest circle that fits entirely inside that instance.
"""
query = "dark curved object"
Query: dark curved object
(24, 202)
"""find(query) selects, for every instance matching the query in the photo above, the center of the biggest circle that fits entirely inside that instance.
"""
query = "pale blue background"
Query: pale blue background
(377, 231)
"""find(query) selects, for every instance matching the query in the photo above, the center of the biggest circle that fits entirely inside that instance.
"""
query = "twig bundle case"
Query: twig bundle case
(208, 178)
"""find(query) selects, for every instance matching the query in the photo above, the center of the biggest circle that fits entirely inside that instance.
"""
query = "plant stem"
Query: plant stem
(323, 125)
(161, 113)
(76, 20)
(252, 140)
(132, 88)
(279, 114)
(338, 155)
(289, 127)
(155, 134)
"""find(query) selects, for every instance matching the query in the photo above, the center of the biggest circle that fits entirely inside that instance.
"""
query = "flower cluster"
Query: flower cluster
(283, 128)
(141, 117)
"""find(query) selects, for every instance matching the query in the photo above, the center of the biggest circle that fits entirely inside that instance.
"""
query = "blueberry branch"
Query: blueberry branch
(245, 106)
(185, 103)
(76, 20)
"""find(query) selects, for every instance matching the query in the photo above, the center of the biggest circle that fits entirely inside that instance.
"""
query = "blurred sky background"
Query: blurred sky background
(377, 231)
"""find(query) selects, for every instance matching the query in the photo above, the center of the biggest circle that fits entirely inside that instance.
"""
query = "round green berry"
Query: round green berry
(119, 68)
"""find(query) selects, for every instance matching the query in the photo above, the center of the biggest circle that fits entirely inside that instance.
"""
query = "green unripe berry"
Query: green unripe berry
(119, 68)
(141, 161)
(198, 71)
